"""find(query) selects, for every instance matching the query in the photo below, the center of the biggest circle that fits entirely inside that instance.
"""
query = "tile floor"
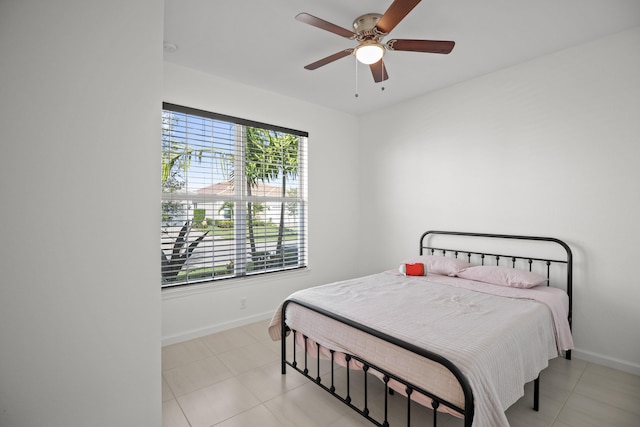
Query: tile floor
(232, 379)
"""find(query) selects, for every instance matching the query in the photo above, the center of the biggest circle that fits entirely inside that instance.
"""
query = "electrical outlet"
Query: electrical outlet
(243, 302)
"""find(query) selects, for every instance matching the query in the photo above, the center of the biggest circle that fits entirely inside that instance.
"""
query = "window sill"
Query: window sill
(235, 283)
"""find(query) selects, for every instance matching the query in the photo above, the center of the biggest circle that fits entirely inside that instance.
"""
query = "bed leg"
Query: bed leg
(409, 391)
(536, 394)
(283, 338)
(283, 348)
(567, 354)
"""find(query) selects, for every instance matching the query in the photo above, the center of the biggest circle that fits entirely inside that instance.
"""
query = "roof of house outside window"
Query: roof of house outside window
(226, 189)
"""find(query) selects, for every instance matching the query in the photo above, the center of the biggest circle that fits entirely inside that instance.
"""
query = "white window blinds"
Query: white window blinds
(233, 197)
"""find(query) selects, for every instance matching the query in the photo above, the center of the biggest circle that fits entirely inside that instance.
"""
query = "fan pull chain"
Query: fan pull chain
(356, 61)
(382, 65)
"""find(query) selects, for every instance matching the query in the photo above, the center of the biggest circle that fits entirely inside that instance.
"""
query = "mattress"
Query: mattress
(499, 337)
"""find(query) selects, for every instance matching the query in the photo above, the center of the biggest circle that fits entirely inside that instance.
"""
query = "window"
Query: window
(233, 197)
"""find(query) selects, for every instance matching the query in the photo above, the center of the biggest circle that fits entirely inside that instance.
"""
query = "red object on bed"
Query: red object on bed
(416, 269)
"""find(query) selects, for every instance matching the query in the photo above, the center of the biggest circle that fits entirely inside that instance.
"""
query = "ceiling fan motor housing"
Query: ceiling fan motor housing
(365, 26)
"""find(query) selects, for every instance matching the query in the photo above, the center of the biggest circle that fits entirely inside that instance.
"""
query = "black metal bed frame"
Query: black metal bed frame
(467, 411)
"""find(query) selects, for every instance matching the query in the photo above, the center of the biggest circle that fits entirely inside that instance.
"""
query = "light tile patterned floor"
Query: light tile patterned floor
(232, 379)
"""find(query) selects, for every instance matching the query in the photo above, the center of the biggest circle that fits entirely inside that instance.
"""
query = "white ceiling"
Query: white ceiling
(259, 43)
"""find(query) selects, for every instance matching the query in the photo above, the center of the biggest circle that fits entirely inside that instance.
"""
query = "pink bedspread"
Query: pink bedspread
(499, 337)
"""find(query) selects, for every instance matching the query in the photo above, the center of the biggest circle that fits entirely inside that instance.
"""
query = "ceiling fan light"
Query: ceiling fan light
(369, 53)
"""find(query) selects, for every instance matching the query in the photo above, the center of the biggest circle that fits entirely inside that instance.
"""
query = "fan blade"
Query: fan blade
(329, 59)
(428, 46)
(325, 25)
(379, 71)
(396, 13)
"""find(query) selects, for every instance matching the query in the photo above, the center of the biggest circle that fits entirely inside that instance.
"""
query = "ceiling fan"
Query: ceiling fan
(368, 31)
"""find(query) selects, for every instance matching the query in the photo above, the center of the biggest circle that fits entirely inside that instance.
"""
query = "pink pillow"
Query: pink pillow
(503, 276)
(434, 264)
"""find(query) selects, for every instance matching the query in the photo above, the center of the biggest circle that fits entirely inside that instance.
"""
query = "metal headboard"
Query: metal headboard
(431, 250)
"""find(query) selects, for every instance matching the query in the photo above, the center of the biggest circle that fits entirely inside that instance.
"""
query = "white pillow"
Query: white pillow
(434, 264)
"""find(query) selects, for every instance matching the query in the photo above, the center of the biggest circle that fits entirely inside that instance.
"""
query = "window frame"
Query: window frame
(240, 268)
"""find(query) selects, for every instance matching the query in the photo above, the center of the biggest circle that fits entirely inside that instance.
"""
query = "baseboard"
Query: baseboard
(610, 362)
(212, 329)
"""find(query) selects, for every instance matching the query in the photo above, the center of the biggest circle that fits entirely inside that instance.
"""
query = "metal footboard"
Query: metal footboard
(304, 368)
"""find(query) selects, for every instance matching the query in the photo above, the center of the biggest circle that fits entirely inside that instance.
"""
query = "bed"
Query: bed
(463, 338)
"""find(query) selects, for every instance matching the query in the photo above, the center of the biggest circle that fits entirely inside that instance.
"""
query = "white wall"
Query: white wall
(544, 148)
(333, 205)
(549, 147)
(80, 86)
